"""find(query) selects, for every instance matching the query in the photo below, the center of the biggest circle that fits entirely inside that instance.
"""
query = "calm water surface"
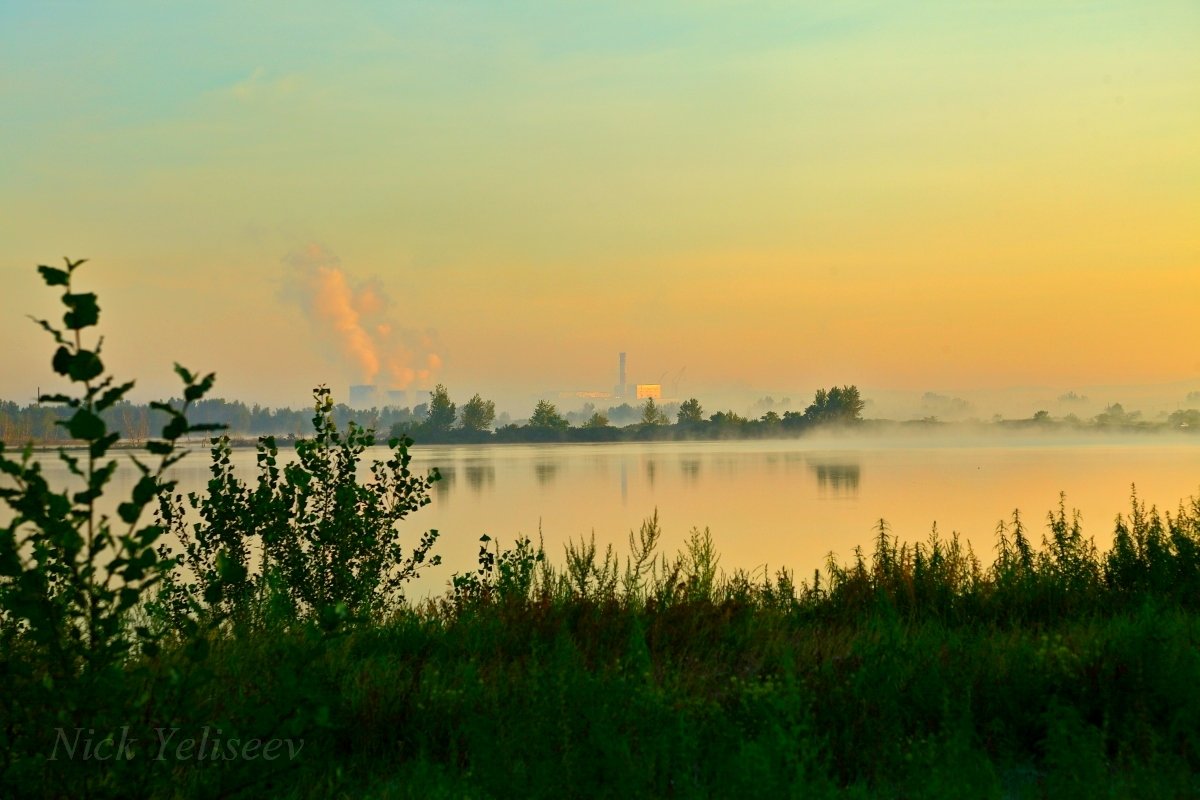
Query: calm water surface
(776, 503)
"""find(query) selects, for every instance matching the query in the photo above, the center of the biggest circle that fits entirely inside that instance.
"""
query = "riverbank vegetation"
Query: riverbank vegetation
(441, 421)
(254, 639)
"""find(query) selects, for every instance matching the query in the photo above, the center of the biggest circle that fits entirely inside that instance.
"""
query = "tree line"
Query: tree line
(137, 421)
(444, 422)
(441, 420)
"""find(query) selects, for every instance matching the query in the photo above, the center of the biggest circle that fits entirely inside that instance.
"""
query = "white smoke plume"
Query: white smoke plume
(358, 316)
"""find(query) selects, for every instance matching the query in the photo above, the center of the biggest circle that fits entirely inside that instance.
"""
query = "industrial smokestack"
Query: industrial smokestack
(621, 382)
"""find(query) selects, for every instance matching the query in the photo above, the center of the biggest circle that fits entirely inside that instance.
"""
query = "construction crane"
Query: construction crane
(675, 381)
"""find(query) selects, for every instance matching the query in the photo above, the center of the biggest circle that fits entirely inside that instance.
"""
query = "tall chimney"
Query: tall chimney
(621, 382)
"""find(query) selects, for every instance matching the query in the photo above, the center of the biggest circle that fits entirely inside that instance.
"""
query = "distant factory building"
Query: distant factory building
(619, 389)
(585, 394)
(649, 391)
(364, 396)
(397, 398)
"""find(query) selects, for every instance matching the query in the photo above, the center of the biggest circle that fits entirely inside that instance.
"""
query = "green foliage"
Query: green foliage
(546, 417)
(676, 679)
(329, 544)
(71, 576)
(1115, 415)
(727, 419)
(596, 420)
(478, 414)
(134, 421)
(502, 577)
(59, 556)
(690, 412)
(441, 410)
(838, 405)
(652, 414)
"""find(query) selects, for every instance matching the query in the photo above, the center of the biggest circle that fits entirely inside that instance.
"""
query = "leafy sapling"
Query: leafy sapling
(69, 574)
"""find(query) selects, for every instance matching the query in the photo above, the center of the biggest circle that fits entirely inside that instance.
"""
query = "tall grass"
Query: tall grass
(915, 670)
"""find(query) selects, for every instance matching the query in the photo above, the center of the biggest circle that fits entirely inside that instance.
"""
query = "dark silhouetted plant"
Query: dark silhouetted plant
(71, 576)
(70, 573)
(326, 543)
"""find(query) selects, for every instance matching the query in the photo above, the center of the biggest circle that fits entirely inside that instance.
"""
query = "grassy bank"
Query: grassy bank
(1054, 671)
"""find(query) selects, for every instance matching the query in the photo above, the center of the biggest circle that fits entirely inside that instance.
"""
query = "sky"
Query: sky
(501, 196)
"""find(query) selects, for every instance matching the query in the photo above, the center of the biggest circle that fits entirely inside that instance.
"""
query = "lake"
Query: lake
(776, 503)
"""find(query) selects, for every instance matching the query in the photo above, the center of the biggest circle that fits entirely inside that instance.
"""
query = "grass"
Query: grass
(1056, 671)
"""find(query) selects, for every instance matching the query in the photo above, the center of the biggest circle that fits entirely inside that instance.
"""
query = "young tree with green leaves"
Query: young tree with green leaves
(478, 414)
(72, 577)
(690, 412)
(546, 416)
(838, 405)
(652, 414)
(441, 411)
(597, 420)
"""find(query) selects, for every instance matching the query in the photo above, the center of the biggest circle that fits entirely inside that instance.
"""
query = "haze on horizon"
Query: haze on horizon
(905, 196)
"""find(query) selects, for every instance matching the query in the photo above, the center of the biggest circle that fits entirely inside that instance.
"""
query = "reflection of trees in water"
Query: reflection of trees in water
(480, 475)
(545, 471)
(837, 477)
(651, 469)
(726, 465)
(690, 467)
(441, 489)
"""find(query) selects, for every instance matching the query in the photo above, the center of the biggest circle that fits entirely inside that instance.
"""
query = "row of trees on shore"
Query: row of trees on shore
(442, 420)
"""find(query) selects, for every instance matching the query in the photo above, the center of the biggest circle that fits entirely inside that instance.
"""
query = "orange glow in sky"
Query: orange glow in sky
(906, 197)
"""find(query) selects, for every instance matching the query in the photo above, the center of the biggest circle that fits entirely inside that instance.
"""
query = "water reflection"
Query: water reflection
(690, 467)
(442, 489)
(545, 471)
(837, 478)
(651, 467)
(793, 461)
(480, 476)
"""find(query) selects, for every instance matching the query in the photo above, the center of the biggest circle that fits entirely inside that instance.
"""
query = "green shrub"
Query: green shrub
(308, 539)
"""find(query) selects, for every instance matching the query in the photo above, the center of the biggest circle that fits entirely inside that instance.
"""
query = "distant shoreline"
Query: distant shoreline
(867, 430)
